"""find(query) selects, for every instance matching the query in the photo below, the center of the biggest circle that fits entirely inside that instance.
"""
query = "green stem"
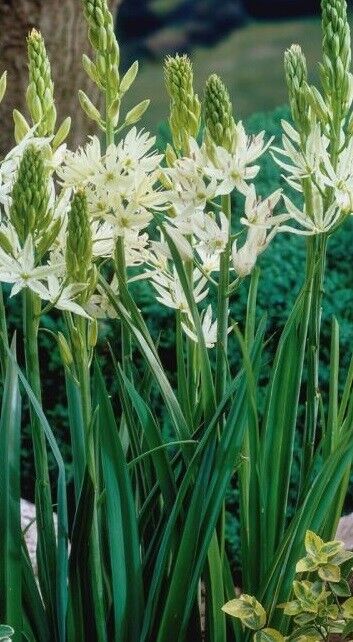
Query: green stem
(81, 358)
(222, 310)
(120, 268)
(191, 352)
(316, 261)
(120, 263)
(4, 340)
(46, 550)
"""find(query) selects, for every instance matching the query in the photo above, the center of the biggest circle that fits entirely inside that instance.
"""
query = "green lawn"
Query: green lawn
(250, 61)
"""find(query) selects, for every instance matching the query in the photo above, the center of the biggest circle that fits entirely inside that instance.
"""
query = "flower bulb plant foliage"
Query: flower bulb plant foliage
(80, 229)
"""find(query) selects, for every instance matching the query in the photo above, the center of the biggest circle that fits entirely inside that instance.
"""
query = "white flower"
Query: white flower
(191, 190)
(135, 150)
(262, 227)
(135, 245)
(103, 239)
(79, 166)
(341, 179)
(62, 297)
(212, 237)
(171, 293)
(244, 259)
(21, 271)
(233, 169)
(303, 163)
(209, 262)
(320, 221)
(209, 328)
(182, 244)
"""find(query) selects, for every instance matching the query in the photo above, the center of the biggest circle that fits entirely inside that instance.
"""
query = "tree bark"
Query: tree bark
(63, 27)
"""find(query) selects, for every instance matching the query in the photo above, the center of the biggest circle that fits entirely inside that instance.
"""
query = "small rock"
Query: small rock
(29, 526)
(345, 531)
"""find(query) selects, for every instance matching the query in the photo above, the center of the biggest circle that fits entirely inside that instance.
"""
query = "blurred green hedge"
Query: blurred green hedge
(282, 269)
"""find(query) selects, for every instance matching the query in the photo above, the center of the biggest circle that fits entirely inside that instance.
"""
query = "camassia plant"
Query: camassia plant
(145, 558)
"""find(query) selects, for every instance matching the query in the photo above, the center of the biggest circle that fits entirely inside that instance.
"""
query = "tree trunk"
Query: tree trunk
(63, 27)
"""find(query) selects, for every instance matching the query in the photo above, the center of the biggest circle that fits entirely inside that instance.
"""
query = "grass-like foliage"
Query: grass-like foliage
(154, 447)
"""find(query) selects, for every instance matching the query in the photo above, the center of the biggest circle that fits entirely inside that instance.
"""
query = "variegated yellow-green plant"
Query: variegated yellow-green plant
(144, 558)
(321, 604)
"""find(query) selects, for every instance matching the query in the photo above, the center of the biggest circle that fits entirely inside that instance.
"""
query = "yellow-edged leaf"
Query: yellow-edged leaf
(313, 543)
(347, 608)
(268, 635)
(329, 573)
(248, 610)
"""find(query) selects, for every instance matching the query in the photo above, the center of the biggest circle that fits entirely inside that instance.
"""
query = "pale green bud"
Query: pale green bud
(21, 126)
(78, 256)
(218, 110)
(102, 37)
(92, 335)
(29, 212)
(317, 103)
(62, 133)
(40, 92)
(336, 46)
(128, 78)
(165, 181)
(134, 115)
(91, 70)
(2, 85)
(114, 110)
(185, 108)
(5, 243)
(296, 76)
(88, 107)
(64, 350)
(114, 79)
(170, 155)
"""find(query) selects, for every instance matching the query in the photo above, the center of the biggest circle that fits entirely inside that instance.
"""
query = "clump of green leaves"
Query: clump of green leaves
(321, 603)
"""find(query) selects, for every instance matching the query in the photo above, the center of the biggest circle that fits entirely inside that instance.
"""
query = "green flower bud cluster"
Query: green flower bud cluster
(29, 211)
(218, 110)
(296, 76)
(40, 91)
(335, 76)
(78, 256)
(105, 70)
(185, 108)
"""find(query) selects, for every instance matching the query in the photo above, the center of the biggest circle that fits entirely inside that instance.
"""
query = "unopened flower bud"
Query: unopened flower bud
(21, 126)
(128, 78)
(29, 213)
(88, 107)
(40, 93)
(317, 103)
(134, 115)
(170, 155)
(296, 76)
(78, 256)
(62, 133)
(185, 107)
(219, 121)
(91, 69)
(244, 259)
(92, 336)
(65, 352)
(103, 40)
(336, 52)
